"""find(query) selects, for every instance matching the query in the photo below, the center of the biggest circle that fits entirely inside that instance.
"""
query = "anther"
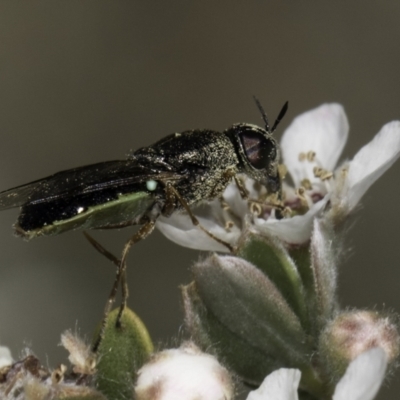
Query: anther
(326, 175)
(306, 184)
(58, 374)
(322, 174)
(344, 171)
(305, 200)
(317, 171)
(311, 156)
(302, 156)
(282, 170)
(229, 225)
(274, 201)
(224, 205)
(255, 208)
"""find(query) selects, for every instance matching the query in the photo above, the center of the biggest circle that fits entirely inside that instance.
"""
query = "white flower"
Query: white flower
(280, 385)
(183, 374)
(311, 147)
(5, 356)
(361, 381)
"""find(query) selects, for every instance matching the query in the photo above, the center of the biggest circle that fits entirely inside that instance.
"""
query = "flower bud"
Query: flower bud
(80, 354)
(122, 351)
(235, 309)
(352, 333)
(183, 374)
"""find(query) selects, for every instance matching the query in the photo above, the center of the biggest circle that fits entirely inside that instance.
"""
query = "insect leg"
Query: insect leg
(144, 231)
(171, 190)
(244, 194)
(229, 174)
(111, 298)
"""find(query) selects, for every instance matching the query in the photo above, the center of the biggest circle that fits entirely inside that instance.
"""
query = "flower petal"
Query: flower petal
(236, 204)
(368, 165)
(294, 230)
(180, 229)
(280, 385)
(363, 377)
(323, 130)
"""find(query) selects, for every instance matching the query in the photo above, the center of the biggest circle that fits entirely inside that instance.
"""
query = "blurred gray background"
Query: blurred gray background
(86, 81)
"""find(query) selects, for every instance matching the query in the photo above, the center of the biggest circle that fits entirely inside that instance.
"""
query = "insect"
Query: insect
(175, 173)
(171, 175)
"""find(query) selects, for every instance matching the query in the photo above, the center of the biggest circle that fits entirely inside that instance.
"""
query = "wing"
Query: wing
(83, 180)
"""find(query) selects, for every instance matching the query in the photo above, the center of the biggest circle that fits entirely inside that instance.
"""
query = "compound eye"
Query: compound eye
(260, 151)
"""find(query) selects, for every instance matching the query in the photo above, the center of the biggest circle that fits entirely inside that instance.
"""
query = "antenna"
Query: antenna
(263, 113)
(265, 118)
(280, 116)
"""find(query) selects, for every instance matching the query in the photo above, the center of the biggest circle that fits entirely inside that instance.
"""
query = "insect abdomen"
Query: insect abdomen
(85, 212)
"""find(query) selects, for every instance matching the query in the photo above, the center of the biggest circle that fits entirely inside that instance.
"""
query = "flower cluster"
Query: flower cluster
(272, 304)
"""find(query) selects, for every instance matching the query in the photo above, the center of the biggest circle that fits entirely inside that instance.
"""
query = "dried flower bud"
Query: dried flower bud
(80, 355)
(185, 373)
(354, 332)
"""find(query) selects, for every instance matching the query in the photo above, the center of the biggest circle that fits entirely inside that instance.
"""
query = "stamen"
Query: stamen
(317, 171)
(328, 185)
(344, 171)
(311, 156)
(322, 174)
(339, 178)
(287, 212)
(255, 208)
(229, 225)
(58, 374)
(282, 171)
(302, 156)
(274, 201)
(224, 205)
(306, 184)
(304, 198)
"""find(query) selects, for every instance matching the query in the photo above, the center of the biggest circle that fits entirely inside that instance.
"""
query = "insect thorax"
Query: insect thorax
(202, 158)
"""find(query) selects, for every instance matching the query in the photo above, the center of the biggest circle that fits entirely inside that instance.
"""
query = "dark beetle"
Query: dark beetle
(176, 172)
